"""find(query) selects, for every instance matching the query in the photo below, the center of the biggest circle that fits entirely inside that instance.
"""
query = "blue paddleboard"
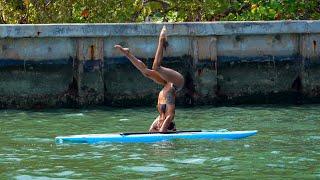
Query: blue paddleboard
(145, 137)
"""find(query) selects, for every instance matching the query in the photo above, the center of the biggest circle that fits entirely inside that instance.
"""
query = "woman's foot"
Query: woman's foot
(163, 33)
(124, 50)
(163, 37)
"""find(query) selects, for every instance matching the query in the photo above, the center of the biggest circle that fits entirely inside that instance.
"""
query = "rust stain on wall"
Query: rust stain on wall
(92, 57)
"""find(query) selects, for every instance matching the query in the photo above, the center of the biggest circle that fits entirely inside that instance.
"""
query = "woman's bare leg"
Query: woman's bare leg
(152, 74)
(159, 53)
(167, 74)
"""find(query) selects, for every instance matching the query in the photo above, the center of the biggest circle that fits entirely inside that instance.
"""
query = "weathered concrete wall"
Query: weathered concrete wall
(72, 65)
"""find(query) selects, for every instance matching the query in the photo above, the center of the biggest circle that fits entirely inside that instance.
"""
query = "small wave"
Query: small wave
(314, 138)
(43, 170)
(279, 140)
(64, 173)
(13, 159)
(28, 139)
(191, 161)
(147, 168)
(124, 119)
(77, 156)
(28, 177)
(74, 115)
(306, 159)
(101, 145)
(276, 165)
(229, 167)
(220, 159)
(246, 145)
(135, 157)
(22, 170)
(275, 152)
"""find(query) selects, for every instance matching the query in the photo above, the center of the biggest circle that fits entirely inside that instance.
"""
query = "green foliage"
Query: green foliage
(110, 11)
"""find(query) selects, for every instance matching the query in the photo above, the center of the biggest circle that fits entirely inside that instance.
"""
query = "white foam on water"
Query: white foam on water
(59, 166)
(300, 159)
(124, 119)
(74, 115)
(43, 170)
(13, 159)
(102, 145)
(279, 140)
(116, 156)
(276, 165)
(314, 138)
(76, 156)
(221, 159)
(22, 170)
(28, 177)
(275, 152)
(229, 167)
(135, 157)
(306, 159)
(64, 173)
(191, 161)
(33, 139)
(146, 168)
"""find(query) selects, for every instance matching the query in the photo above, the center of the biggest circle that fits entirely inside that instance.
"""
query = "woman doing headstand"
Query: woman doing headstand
(169, 78)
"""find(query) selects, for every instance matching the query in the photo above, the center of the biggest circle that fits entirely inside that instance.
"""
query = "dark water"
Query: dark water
(286, 146)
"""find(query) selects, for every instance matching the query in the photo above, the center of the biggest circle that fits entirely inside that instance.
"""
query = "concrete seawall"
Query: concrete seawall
(74, 65)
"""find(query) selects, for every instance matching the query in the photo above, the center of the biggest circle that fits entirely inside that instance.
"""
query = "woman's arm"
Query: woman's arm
(169, 118)
(154, 125)
(166, 123)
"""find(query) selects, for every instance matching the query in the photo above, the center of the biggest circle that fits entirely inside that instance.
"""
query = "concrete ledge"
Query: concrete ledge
(153, 29)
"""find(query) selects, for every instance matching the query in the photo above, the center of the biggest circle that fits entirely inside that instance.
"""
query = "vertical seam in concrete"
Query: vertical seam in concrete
(78, 65)
(213, 51)
(195, 53)
(300, 55)
(101, 54)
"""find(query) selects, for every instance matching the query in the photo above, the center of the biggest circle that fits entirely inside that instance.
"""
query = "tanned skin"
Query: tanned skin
(167, 77)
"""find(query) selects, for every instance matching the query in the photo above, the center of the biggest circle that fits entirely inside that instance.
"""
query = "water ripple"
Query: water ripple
(124, 119)
(146, 168)
(135, 156)
(311, 138)
(287, 145)
(190, 161)
(276, 165)
(275, 152)
(220, 159)
(40, 140)
(28, 177)
(74, 115)
(64, 173)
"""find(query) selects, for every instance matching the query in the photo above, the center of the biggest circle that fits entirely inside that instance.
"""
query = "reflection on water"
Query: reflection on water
(286, 146)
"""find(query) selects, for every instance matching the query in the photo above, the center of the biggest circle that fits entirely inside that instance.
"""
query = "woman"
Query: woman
(170, 79)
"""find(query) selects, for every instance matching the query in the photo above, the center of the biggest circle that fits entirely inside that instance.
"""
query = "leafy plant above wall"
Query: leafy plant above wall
(111, 11)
